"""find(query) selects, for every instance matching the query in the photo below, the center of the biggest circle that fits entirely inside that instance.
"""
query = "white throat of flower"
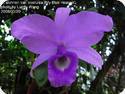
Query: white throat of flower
(62, 63)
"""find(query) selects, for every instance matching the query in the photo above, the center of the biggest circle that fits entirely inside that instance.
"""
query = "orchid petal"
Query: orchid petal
(34, 33)
(86, 27)
(89, 55)
(61, 16)
(42, 58)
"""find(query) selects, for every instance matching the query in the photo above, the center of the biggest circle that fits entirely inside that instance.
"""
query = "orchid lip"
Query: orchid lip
(62, 69)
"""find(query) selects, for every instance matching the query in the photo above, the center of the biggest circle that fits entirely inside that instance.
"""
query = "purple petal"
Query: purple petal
(34, 33)
(59, 78)
(41, 59)
(61, 16)
(87, 28)
(89, 55)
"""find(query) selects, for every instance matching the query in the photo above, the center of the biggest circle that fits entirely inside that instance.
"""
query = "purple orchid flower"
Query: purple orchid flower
(63, 41)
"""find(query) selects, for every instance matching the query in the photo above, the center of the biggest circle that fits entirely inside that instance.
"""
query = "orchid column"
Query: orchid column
(63, 41)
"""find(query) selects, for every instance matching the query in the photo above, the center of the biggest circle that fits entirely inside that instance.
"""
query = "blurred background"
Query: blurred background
(16, 61)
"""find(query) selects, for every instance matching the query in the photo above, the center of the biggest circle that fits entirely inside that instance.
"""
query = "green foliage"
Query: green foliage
(41, 74)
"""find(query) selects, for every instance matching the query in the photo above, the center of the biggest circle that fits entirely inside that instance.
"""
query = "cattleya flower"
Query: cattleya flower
(63, 41)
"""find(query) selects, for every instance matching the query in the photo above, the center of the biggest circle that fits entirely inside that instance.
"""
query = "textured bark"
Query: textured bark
(112, 59)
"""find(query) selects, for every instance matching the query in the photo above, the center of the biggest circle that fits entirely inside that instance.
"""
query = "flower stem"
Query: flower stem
(64, 91)
(31, 87)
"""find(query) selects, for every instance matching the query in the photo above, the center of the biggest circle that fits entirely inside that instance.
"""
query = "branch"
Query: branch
(112, 59)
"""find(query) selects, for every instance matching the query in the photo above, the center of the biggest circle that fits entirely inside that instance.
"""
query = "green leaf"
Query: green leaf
(8, 22)
(51, 13)
(41, 74)
(82, 64)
